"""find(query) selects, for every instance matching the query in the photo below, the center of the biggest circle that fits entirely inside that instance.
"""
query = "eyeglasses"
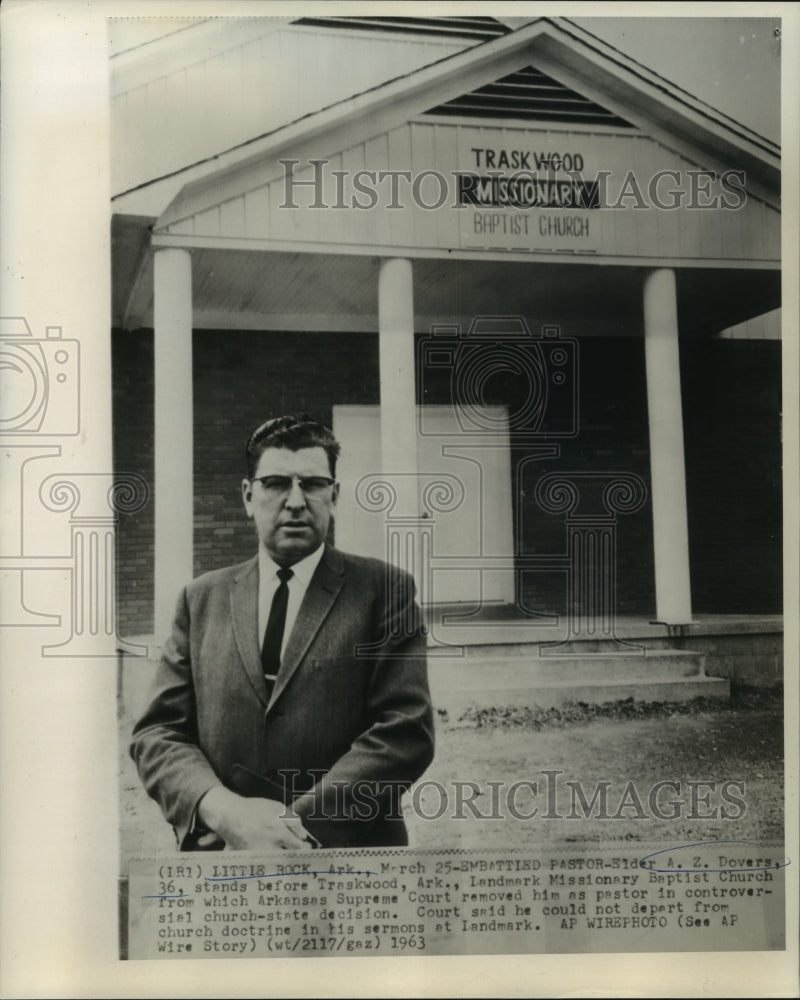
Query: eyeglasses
(281, 486)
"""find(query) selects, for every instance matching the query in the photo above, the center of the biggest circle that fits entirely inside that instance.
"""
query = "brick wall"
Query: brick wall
(240, 379)
(731, 407)
(611, 437)
(132, 361)
(732, 404)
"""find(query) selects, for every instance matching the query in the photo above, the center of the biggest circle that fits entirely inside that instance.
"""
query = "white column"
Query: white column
(174, 492)
(667, 462)
(407, 545)
(398, 392)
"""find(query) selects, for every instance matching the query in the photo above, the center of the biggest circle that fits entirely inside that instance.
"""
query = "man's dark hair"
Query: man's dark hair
(293, 432)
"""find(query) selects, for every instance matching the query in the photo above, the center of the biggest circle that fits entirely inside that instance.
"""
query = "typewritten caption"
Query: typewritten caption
(638, 898)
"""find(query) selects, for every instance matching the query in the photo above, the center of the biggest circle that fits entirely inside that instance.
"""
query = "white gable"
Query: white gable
(591, 172)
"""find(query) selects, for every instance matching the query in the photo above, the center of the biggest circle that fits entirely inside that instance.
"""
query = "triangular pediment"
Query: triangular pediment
(532, 96)
(550, 71)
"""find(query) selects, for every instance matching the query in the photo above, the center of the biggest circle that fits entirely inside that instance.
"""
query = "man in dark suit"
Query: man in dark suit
(291, 706)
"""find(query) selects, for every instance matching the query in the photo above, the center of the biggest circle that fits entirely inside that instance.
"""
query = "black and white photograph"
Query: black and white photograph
(401, 499)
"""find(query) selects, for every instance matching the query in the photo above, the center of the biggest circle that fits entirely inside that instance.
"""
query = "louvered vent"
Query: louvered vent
(479, 28)
(532, 96)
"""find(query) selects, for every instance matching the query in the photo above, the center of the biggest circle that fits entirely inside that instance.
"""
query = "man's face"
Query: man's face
(293, 524)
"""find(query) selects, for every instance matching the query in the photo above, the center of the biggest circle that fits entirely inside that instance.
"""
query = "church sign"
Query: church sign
(431, 185)
(551, 191)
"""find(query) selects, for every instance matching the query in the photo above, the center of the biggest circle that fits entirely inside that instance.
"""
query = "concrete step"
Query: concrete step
(490, 636)
(544, 648)
(502, 675)
(532, 669)
(479, 633)
(554, 694)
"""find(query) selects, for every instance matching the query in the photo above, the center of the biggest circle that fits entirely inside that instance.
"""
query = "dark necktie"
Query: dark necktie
(273, 636)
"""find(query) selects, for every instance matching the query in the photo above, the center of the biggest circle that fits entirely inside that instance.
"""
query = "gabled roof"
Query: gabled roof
(184, 97)
(565, 52)
(477, 28)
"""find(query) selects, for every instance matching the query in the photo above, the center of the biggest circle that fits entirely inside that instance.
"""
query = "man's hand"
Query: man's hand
(251, 824)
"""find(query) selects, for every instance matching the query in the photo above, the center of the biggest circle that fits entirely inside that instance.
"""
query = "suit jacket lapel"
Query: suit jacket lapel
(244, 614)
(322, 592)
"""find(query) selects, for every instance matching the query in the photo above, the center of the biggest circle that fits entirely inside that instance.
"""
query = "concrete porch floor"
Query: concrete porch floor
(506, 624)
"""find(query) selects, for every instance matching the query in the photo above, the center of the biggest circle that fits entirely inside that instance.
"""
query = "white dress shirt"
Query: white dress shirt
(268, 583)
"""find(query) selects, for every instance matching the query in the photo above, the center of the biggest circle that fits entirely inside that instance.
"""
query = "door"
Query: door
(469, 515)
